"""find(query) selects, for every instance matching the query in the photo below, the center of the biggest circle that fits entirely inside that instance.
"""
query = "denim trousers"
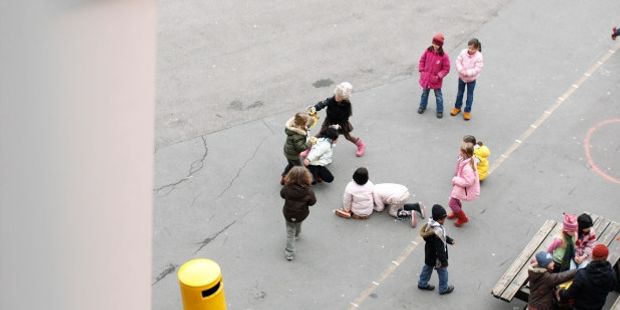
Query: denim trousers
(470, 95)
(438, 98)
(426, 273)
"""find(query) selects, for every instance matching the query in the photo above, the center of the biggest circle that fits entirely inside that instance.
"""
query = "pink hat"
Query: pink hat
(570, 223)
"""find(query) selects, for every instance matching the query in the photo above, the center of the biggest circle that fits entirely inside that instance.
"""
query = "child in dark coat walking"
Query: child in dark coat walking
(298, 196)
(436, 251)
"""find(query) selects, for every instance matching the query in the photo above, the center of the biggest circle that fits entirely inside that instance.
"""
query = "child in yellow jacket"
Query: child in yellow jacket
(481, 156)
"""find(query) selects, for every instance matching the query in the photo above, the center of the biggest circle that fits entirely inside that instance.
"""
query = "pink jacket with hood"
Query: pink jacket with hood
(469, 66)
(433, 68)
(465, 183)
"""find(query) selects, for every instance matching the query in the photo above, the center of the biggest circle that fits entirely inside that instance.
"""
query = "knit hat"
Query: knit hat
(438, 39)
(543, 259)
(584, 221)
(438, 212)
(570, 223)
(600, 251)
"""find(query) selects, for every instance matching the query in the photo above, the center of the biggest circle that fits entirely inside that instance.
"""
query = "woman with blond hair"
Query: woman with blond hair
(298, 196)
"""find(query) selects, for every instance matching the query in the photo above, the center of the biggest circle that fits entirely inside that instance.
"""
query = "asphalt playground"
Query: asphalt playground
(547, 105)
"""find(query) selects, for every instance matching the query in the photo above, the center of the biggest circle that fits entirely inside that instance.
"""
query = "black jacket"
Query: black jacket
(337, 113)
(435, 250)
(297, 199)
(591, 285)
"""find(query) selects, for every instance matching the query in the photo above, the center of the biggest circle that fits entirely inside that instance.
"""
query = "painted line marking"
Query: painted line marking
(513, 147)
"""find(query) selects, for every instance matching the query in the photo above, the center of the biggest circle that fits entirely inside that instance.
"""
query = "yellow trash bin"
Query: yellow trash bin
(201, 285)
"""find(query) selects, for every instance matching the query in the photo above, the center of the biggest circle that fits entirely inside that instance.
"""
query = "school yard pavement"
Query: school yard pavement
(550, 83)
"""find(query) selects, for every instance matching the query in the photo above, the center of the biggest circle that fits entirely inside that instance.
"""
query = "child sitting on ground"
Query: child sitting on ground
(357, 200)
(395, 195)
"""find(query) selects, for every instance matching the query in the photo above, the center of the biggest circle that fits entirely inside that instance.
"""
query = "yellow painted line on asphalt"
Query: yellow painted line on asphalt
(496, 164)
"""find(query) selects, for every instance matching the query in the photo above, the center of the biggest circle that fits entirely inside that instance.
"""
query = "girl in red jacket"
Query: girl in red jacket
(434, 66)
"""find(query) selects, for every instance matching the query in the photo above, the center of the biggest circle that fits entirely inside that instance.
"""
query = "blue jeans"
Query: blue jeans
(438, 98)
(470, 95)
(426, 273)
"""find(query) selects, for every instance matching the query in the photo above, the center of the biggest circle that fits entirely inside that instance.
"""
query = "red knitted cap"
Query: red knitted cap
(600, 251)
(438, 39)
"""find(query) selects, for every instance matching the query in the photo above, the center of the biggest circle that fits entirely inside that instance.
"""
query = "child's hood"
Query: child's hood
(290, 126)
(482, 151)
(431, 228)
(295, 191)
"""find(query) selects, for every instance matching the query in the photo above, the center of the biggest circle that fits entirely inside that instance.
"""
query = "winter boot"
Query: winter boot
(414, 220)
(451, 215)
(455, 111)
(361, 147)
(467, 116)
(462, 219)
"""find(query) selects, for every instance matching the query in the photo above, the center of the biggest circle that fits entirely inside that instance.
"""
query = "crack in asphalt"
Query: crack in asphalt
(194, 167)
(169, 269)
(208, 240)
(241, 169)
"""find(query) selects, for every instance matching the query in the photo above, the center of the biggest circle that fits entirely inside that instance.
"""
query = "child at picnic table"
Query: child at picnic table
(562, 248)
(543, 281)
(586, 237)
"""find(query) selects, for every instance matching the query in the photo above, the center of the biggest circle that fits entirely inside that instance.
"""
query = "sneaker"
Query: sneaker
(448, 290)
(403, 214)
(414, 220)
(467, 116)
(455, 111)
(421, 110)
(439, 114)
(429, 287)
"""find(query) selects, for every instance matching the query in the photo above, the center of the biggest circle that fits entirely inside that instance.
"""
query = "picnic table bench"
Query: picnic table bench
(514, 282)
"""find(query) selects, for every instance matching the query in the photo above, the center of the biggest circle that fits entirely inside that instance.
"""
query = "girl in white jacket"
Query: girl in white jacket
(469, 63)
(357, 200)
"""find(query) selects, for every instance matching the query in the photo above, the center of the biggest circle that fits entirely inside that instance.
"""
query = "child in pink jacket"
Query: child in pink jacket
(434, 65)
(465, 184)
(468, 64)
(357, 201)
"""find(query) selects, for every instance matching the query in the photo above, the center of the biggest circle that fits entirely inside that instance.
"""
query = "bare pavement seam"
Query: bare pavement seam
(357, 302)
(194, 167)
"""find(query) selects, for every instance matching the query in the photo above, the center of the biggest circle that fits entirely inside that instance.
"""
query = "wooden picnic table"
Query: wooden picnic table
(514, 282)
